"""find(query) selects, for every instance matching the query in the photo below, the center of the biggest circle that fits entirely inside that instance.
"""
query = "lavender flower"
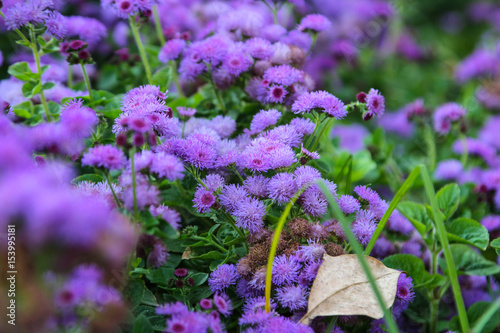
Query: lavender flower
(405, 288)
(348, 204)
(22, 13)
(315, 22)
(223, 277)
(259, 48)
(448, 170)
(292, 297)
(106, 156)
(284, 75)
(171, 50)
(256, 185)
(158, 256)
(329, 104)
(285, 270)
(249, 214)
(231, 196)
(282, 187)
(364, 226)
(56, 25)
(203, 199)
(375, 103)
(445, 115)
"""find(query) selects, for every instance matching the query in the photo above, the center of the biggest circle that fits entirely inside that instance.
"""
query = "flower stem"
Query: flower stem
(70, 76)
(140, 46)
(465, 152)
(179, 186)
(431, 147)
(159, 29)
(321, 133)
(34, 47)
(443, 239)
(110, 183)
(134, 183)
(175, 77)
(216, 91)
(87, 83)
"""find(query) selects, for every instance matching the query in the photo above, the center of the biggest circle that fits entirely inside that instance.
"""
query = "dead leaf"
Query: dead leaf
(188, 253)
(341, 288)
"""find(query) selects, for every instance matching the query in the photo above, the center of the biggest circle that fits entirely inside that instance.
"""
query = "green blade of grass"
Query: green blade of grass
(397, 198)
(483, 320)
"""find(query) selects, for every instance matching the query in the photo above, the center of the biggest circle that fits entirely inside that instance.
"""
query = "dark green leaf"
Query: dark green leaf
(163, 78)
(474, 313)
(199, 278)
(48, 85)
(448, 198)
(416, 214)
(142, 325)
(496, 245)
(139, 294)
(469, 262)
(212, 255)
(161, 275)
(415, 268)
(468, 231)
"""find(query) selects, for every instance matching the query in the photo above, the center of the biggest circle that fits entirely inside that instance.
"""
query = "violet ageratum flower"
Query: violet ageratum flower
(256, 185)
(348, 204)
(292, 297)
(105, 156)
(22, 13)
(249, 214)
(375, 103)
(263, 119)
(222, 277)
(285, 270)
(364, 226)
(315, 22)
(445, 115)
(284, 75)
(231, 196)
(171, 50)
(203, 199)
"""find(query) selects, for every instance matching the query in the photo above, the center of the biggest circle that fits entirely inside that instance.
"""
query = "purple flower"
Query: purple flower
(256, 185)
(186, 112)
(77, 119)
(313, 201)
(448, 170)
(405, 288)
(285, 270)
(158, 256)
(263, 120)
(168, 214)
(491, 222)
(284, 75)
(105, 156)
(276, 94)
(481, 62)
(351, 137)
(231, 196)
(312, 252)
(364, 226)
(375, 103)
(315, 22)
(303, 125)
(306, 175)
(348, 204)
(292, 297)
(258, 281)
(167, 166)
(237, 62)
(146, 194)
(214, 182)
(287, 134)
(223, 277)
(445, 115)
(171, 50)
(249, 214)
(85, 28)
(56, 25)
(22, 13)
(206, 304)
(203, 199)
(223, 304)
(478, 148)
(329, 104)
(259, 48)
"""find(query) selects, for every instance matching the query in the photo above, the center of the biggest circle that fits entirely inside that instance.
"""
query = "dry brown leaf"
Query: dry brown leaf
(188, 253)
(341, 288)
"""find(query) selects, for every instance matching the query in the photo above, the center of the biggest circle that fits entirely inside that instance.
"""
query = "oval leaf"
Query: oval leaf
(342, 288)
(468, 231)
(496, 245)
(469, 262)
(448, 199)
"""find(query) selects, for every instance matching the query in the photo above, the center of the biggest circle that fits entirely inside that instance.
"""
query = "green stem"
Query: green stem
(232, 222)
(34, 47)
(431, 147)
(331, 324)
(181, 189)
(87, 83)
(274, 246)
(110, 183)
(391, 325)
(159, 29)
(443, 239)
(216, 91)
(435, 292)
(140, 46)
(175, 77)
(328, 122)
(210, 242)
(399, 195)
(317, 118)
(134, 184)
(237, 173)
(274, 10)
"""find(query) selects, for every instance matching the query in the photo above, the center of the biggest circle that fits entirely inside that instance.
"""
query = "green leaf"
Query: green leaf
(417, 214)
(23, 109)
(212, 255)
(474, 313)
(138, 294)
(142, 325)
(30, 89)
(448, 198)
(90, 177)
(199, 278)
(22, 71)
(468, 231)
(161, 275)
(469, 262)
(163, 77)
(415, 268)
(48, 85)
(147, 219)
(496, 245)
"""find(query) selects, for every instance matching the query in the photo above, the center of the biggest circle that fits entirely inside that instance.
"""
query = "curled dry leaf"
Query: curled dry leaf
(342, 288)
(188, 253)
